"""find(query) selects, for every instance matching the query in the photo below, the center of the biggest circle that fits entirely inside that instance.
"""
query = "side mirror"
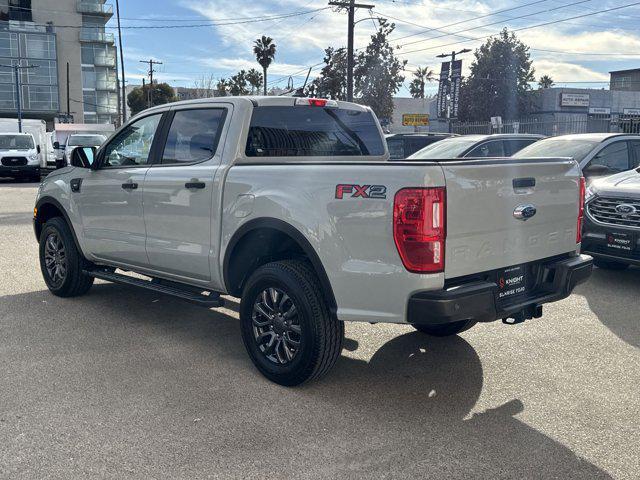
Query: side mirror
(38, 148)
(595, 170)
(56, 145)
(83, 157)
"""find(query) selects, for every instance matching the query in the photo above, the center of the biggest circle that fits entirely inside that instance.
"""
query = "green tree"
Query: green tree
(254, 78)
(158, 93)
(420, 78)
(237, 85)
(265, 52)
(546, 82)
(378, 73)
(499, 81)
(222, 88)
(332, 82)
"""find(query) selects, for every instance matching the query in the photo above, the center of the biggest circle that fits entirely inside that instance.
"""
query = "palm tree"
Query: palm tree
(422, 75)
(265, 51)
(254, 77)
(546, 82)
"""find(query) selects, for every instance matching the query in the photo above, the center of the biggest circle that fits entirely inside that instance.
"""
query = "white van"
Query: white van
(37, 128)
(19, 156)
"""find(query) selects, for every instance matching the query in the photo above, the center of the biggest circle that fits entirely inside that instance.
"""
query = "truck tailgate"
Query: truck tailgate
(483, 232)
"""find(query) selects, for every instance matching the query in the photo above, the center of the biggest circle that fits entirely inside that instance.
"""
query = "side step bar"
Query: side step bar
(183, 292)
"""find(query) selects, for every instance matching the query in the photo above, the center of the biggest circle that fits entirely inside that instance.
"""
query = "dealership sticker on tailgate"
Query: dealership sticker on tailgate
(512, 282)
(621, 242)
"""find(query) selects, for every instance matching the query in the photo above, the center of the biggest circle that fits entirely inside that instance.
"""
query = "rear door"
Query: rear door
(180, 191)
(483, 231)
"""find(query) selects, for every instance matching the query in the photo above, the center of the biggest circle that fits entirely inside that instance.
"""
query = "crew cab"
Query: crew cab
(292, 205)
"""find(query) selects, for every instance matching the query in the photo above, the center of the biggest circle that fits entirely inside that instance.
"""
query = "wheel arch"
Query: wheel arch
(47, 208)
(237, 266)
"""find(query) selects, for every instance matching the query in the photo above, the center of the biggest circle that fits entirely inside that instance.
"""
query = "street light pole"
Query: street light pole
(16, 72)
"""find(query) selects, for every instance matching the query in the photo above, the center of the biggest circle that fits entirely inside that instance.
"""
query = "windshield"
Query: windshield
(85, 140)
(448, 148)
(557, 147)
(16, 142)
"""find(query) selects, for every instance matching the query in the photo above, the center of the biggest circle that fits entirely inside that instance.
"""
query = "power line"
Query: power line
(525, 28)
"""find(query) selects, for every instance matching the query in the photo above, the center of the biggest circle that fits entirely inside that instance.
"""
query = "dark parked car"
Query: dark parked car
(401, 145)
(599, 154)
(611, 231)
(474, 146)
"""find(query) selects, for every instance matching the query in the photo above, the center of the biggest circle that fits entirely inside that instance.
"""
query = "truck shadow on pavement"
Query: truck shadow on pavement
(617, 311)
(151, 376)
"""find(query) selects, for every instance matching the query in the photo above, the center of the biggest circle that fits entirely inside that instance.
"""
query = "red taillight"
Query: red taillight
(419, 228)
(315, 102)
(581, 209)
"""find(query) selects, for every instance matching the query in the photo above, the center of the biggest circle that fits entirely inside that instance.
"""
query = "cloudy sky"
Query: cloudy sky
(576, 44)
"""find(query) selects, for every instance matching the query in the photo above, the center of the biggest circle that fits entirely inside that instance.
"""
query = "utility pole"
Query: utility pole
(454, 82)
(351, 6)
(68, 93)
(151, 63)
(16, 71)
(124, 88)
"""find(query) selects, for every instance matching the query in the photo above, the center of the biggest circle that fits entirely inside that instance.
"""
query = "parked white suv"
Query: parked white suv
(291, 204)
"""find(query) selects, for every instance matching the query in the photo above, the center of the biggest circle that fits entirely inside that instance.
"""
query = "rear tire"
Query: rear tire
(286, 325)
(60, 261)
(446, 329)
(609, 264)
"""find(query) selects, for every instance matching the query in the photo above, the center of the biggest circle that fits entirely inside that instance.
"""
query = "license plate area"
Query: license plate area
(620, 243)
(514, 284)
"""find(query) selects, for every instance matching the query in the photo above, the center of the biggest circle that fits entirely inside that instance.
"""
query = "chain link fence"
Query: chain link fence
(550, 128)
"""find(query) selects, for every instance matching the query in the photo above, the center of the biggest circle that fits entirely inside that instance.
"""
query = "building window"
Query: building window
(8, 44)
(46, 73)
(40, 97)
(40, 46)
(7, 97)
(19, 10)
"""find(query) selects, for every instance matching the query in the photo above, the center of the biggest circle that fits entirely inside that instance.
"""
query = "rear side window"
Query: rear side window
(513, 146)
(312, 131)
(396, 148)
(193, 135)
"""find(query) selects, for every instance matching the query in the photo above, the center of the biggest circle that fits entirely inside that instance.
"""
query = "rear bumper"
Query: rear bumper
(477, 300)
(20, 171)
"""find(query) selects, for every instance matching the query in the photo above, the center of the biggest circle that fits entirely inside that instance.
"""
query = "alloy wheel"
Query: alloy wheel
(55, 258)
(276, 326)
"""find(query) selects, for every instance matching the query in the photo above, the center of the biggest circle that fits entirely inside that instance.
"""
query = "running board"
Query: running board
(184, 292)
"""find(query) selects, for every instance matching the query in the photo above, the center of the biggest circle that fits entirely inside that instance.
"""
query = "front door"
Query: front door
(110, 198)
(180, 194)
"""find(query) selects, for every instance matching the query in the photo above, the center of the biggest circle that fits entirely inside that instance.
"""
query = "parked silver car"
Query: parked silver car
(474, 146)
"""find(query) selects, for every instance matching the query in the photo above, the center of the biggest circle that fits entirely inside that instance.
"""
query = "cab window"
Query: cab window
(487, 149)
(513, 146)
(193, 136)
(635, 151)
(615, 157)
(131, 146)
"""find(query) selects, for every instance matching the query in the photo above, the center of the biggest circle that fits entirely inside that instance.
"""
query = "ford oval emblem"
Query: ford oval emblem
(625, 209)
(524, 212)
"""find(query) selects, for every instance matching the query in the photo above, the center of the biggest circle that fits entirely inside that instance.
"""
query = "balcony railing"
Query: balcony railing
(90, 34)
(106, 60)
(95, 8)
(107, 84)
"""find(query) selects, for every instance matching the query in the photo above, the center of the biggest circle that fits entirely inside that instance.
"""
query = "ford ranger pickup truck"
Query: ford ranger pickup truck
(291, 205)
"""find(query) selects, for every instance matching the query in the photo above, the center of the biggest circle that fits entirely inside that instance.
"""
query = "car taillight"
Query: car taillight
(419, 228)
(581, 209)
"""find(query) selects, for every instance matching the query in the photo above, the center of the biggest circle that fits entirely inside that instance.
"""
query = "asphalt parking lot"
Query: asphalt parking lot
(123, 383)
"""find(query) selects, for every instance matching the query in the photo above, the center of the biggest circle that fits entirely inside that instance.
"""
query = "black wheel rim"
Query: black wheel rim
(55, 258)
(276, 326)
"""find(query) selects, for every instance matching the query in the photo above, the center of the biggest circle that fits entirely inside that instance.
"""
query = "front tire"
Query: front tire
(61, 262)
(287, 328)
(609, 264)
(446, 329)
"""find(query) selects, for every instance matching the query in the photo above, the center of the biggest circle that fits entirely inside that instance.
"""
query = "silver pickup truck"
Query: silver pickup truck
(291, 205)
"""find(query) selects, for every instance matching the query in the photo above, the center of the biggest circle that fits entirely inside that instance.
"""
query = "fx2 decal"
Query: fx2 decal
(360, 191)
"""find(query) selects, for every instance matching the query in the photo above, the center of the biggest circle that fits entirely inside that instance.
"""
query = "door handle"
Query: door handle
(199, 185)
(130, 186)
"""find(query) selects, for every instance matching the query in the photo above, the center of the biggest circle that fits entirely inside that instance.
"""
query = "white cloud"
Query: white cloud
(567, 72)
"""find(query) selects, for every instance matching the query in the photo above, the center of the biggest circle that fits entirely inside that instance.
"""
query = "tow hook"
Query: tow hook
(532, 311)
